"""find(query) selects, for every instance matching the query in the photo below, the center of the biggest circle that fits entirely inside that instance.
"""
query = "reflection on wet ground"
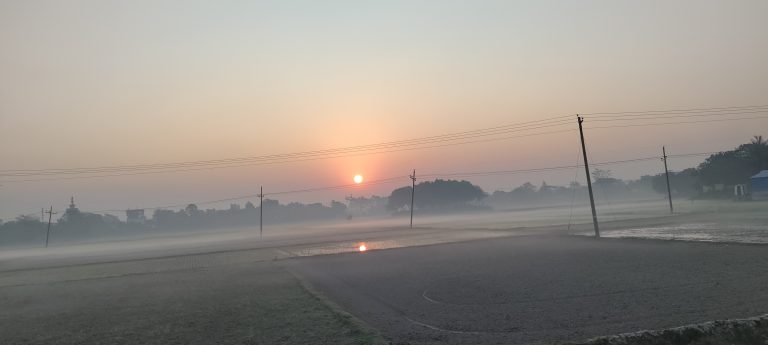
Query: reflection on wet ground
(705, 232)
(418, 239)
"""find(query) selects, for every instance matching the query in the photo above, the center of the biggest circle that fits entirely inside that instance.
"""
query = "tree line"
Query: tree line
(723, 168)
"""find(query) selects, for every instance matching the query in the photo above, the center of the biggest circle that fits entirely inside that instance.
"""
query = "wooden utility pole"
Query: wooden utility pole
(48, 233)
(589, 179)
(666, 171)
(261, 212)
(413, 191)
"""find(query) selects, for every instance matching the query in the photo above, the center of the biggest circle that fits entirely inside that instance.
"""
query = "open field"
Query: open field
(521, 290)
(234, 304)
(486, 278)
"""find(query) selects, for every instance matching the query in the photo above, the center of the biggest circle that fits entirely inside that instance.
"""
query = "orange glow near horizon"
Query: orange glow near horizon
(362, 247)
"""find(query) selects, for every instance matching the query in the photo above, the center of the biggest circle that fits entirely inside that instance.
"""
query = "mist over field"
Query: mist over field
(383, 172)
(459, 198)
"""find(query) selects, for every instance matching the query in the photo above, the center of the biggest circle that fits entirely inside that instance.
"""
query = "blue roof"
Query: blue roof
(761, 174)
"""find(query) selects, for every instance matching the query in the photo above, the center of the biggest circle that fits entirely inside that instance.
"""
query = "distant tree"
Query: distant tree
(23, 231)
(734, 167)
(599, 174)
(525, 188)
(362, 206)
(270, 203)
(546, 189)
(684, 183)
(437, 195)
(399, 199)
(191, 210)
(338, 207)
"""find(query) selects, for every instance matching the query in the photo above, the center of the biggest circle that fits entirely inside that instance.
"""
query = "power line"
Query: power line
(679, 110)
(457, 138)
(667, 116)
(350, 155)
(498, 130)
(400, 179)
(248, 196)
(680, 122)
(288, 161)
(555, 168)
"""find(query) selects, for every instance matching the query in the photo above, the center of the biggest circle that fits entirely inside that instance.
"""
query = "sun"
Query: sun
(358, 179)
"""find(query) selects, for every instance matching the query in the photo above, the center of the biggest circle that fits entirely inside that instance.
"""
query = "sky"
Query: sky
(105, 83)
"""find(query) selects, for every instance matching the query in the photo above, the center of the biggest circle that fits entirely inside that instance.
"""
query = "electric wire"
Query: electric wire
(399, 179)
(498, 130)
(285, 161)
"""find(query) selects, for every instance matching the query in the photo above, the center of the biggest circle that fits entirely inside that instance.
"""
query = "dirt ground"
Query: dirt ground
(540, 289)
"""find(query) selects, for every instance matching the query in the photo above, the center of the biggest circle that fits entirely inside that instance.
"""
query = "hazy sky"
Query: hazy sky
(97, 83)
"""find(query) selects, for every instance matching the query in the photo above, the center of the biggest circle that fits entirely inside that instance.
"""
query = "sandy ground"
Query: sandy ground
(541, 288)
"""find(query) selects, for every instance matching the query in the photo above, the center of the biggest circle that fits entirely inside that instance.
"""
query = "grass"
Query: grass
(236, 304)
(753, 331)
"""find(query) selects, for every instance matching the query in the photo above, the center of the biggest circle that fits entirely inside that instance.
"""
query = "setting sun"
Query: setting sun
(358, 178)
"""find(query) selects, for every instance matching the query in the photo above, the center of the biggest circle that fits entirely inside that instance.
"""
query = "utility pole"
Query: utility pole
(48, 233)
(666, 171)
(413, 191)
(261, 212)
(589, 179)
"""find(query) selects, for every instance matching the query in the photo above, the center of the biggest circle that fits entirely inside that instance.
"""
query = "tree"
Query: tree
(437, 195)
(599, 174)
(735, 167)
(684, 183)
(525, 188)
(191, 210)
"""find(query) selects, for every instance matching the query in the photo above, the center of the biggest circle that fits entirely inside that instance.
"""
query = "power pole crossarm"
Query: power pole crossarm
(589, 180)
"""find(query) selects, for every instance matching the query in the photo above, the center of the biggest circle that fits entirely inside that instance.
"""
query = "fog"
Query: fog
(383, 172)
(470, 256)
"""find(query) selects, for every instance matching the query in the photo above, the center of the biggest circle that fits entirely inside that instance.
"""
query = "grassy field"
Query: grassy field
(241, 304)
(225, 288)
(752, 331)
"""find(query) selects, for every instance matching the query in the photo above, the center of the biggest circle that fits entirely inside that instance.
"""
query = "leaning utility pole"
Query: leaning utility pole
(48, 233)
(261, 212)
(589, 180)
(666, 171)
(413, 191)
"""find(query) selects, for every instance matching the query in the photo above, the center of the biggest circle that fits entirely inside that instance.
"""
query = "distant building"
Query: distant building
(135, 216)
(759, 185)
(72, 211)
